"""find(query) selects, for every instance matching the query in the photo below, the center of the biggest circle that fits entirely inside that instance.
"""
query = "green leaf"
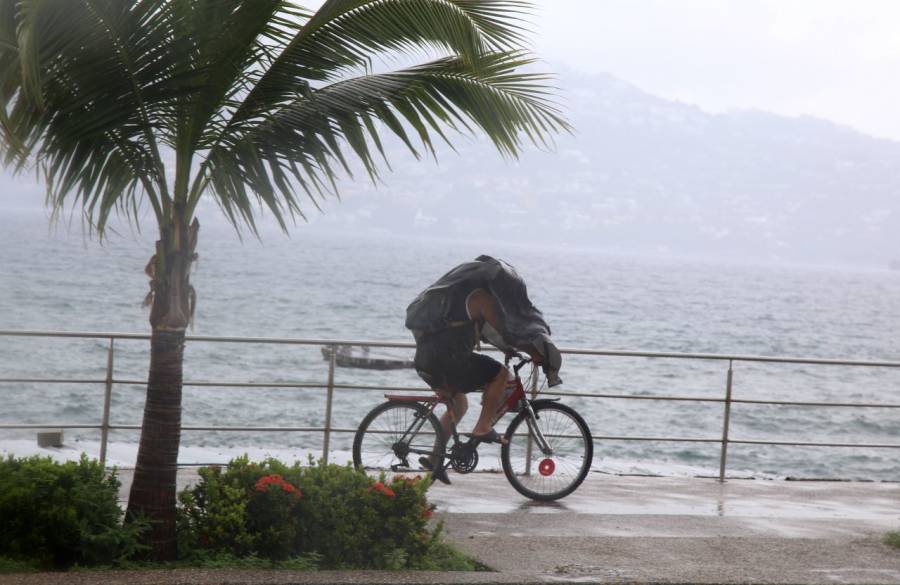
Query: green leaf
(260, 104)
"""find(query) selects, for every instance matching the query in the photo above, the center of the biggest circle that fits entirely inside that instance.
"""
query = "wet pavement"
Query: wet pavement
(680, 530)
(628, 530)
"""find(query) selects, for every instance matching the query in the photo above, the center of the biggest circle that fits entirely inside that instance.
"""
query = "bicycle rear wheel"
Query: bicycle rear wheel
(394, 435)
(556, 474)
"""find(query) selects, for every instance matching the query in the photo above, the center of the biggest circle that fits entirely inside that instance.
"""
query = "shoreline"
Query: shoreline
(122, 456)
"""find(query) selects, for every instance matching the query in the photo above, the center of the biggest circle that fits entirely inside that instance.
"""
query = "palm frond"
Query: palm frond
(9, 76)
(92, 90)
(346, 34)
(97, 80)
(303, 143)
(221, 57)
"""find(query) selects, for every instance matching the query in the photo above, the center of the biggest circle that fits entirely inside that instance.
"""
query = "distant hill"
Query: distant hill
(642, 175)
(647, 175)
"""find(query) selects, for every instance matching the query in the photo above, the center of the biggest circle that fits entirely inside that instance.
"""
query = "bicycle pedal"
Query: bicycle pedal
(402, 466)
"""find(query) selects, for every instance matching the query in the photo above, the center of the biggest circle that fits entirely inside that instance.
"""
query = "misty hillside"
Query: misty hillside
(643, 174)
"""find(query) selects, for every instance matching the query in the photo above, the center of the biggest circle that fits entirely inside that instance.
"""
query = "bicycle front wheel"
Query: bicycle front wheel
(553, 473)
(395, 435)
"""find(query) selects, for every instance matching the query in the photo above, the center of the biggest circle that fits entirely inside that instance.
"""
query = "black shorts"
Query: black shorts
(454, 368)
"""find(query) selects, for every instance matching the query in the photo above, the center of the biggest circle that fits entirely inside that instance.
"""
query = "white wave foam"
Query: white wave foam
(124, 455)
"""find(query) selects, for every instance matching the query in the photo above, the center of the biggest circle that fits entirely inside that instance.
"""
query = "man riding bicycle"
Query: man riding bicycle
(483, 300)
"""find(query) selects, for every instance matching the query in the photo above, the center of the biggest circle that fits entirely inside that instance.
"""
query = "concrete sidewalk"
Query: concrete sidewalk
(628, 530)
(680, 530)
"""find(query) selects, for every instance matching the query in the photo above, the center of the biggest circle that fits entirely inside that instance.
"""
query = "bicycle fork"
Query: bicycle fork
(535, 431)
(533, 428)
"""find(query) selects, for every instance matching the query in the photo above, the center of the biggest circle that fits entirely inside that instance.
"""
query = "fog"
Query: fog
(833, 59)
(747, 130)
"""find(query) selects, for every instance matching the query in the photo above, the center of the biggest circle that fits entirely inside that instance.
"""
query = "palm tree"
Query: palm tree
(142, 107)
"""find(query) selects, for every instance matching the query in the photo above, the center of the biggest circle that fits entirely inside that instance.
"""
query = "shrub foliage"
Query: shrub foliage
(61, 514)
(275, 511)
(56, 515)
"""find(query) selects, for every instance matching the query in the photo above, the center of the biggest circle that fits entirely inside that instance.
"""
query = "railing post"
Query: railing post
(107, 398)
(725, 425)
(326, 442)
(535, 376)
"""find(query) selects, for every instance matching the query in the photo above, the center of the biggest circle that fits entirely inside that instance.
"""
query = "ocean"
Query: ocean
(357, 286)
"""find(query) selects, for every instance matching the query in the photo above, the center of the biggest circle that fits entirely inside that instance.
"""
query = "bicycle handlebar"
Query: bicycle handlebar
(523, 361)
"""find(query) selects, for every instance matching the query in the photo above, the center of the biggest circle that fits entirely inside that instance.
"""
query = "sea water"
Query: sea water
(351, 286)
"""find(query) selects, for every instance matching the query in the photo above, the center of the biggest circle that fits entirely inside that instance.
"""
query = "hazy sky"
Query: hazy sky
(835, 59)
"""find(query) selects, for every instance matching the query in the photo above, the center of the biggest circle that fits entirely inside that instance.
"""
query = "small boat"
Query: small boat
(349, 356)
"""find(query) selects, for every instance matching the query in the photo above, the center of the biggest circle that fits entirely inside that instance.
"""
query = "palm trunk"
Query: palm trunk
(153, 491)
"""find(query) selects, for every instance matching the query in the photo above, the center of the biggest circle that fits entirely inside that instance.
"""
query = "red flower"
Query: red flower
(380, 487)
(427, 513)
(275, 479)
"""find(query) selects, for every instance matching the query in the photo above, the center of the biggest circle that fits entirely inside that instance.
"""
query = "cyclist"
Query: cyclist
(484, 300)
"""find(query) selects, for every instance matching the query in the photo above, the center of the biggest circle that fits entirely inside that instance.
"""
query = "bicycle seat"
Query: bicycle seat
(412, 397)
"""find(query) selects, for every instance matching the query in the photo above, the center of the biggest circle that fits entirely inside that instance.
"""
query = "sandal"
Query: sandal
(491, 436)
(439, 474)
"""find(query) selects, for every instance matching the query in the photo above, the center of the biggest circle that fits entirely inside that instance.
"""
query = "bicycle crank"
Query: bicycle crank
(464, 457)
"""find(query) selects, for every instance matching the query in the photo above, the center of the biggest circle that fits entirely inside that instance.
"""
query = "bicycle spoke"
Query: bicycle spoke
(394, 436)
(550, 475)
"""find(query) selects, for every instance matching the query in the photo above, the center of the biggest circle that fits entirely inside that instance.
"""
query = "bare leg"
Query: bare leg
(493, 393)
(460, 405)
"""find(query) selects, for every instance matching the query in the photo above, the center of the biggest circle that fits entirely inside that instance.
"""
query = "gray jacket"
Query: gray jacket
(523, 326)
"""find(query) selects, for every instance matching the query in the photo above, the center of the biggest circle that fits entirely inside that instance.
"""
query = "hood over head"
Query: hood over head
(523, 324)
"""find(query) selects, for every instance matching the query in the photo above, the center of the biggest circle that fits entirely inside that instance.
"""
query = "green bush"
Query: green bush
(61, 514)
(17, 566)
(274, 511)
(232, 512)
(352, 520)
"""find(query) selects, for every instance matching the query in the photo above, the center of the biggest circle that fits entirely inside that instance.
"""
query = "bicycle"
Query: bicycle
(545, 459)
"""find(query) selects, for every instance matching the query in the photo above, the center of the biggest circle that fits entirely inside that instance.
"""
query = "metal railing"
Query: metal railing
(330, 386)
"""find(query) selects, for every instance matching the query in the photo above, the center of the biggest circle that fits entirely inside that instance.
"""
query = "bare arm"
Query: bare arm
(483, 305)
